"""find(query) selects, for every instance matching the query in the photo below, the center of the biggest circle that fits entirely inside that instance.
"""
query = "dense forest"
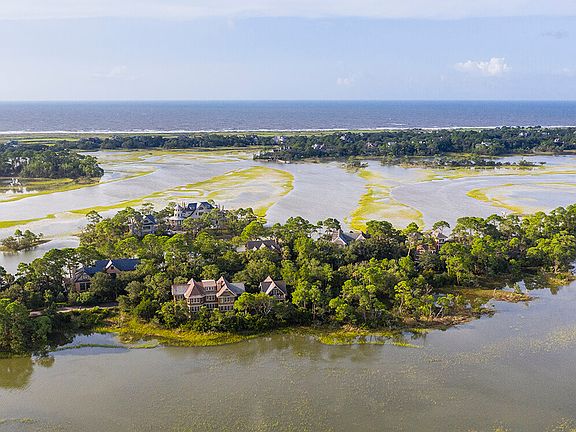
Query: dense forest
(396, 143)
(40, 161)
(392, 278)
(415, 142)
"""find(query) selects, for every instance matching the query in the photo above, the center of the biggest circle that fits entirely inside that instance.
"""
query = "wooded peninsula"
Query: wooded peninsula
(293, 274)
(41, 161)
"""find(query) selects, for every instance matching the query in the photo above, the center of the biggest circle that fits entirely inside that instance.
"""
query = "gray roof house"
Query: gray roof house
(147, 225)
(191, 210)
(276, 289)
(81, 279)
(344, 239)
(263, 244)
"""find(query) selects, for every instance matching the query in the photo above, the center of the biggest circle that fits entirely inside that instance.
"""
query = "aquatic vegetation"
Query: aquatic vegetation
(262, 186)
(133, 329)
(494, 294)
(503, 195)
(50, 186)
(99, 209)
(377, 203)
(149, 345)
(13, 223)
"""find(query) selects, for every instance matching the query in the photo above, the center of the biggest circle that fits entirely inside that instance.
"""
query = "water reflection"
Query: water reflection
(15, 373)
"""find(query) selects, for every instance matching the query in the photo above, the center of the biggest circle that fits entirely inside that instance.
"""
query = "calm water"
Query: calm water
(514, 370)
(281, 115)
(316, 192)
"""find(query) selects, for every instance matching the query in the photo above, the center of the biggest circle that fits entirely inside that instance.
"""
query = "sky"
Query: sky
(287, 49)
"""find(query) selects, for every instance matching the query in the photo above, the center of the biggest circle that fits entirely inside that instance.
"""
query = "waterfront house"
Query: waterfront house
(145, 225)
(263, 244)
(213, 294)
(83, 275)
(276, 289)
(184, 211)
(342, 238)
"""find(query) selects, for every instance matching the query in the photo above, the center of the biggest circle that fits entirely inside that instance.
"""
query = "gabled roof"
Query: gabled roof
(195, 289)
(80, 275)
(236, 288)
(123, 264)
(149, 219)
(347, 238)
(192, 207)
(269, 284)
(263, 244)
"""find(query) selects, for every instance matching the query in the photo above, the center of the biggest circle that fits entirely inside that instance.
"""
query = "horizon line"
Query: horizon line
(273, 100)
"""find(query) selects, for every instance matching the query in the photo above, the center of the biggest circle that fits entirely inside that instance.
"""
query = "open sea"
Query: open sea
(38, 117)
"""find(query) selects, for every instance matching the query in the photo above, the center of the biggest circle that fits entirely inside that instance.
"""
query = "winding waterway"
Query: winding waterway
(513, 371)
(313, 190)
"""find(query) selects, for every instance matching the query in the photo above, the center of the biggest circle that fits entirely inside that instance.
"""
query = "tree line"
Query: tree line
(40, 161)
(417, 142)
(392, 278)
(396, 143)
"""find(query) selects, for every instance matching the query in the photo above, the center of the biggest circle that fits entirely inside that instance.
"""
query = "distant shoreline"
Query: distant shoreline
(65, 133)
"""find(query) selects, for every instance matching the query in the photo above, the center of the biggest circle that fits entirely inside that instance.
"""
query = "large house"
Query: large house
(254, 245)
(82, 277)
(146, 225)
(342, 238)
(276, 289)
(191, 210)
(214, 294)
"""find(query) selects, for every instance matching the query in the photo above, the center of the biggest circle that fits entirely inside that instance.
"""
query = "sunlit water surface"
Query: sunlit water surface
(513, 370)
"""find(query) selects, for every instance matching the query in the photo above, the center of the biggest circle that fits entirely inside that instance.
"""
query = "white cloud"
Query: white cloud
(187, 9)
(496, 66)
(345, 81)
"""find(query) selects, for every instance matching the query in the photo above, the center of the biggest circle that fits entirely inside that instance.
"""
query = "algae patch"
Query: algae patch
(377, 203)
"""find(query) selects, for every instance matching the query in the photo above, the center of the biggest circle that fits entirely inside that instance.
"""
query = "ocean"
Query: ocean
(38, 117)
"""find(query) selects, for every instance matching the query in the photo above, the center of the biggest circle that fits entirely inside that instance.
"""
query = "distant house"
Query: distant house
(263, 244)
(214, 294)
(140, 228)
(82, 277)
(344, 239)
(276, 289)
(184, 211)
(439, 238)
(434, 242)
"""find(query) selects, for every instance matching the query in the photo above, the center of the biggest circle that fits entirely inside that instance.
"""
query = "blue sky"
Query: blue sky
(276, 49)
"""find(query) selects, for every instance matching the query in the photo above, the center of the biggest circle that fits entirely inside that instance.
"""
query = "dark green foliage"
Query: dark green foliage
(37, 161)
(21, 240)
(19, 333)
(390, 277)
(389, 144)
(396, 144)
